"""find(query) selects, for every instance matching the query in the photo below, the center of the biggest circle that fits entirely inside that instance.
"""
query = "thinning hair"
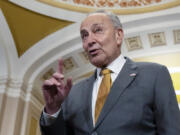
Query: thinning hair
(114, 18)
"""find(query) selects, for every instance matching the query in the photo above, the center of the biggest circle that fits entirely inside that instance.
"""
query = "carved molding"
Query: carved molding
(157, 39)
(176, 36)
(14, 83)
(117, 6)
(3, 80)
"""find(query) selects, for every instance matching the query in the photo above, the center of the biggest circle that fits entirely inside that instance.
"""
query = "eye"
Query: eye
(84, 35)
(97, 30)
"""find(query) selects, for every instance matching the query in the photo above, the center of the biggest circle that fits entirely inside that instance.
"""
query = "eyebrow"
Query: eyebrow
(82, 31)
(96, 24)
(93, 26)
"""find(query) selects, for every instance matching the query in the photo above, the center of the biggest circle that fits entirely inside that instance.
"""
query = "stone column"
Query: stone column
(12, 108)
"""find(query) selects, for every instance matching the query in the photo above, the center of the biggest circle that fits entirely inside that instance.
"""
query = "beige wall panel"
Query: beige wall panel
(38, 132)
(32, 126)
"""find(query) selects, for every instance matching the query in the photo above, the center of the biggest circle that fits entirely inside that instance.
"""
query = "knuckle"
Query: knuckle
(55, 74)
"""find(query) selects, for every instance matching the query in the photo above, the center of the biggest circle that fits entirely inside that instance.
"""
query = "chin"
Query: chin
(98, 62)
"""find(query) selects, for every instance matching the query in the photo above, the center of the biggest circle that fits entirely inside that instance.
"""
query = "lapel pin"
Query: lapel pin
(133, 74)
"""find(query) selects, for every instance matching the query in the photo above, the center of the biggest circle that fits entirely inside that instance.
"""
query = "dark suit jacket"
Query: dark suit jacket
(142, 101)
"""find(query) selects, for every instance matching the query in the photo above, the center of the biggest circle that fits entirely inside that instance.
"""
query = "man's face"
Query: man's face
(100, 39)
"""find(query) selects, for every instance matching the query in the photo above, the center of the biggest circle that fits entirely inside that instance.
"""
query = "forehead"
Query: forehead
(95, 19)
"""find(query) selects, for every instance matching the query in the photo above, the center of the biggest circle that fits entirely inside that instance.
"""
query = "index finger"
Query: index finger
(60, 66)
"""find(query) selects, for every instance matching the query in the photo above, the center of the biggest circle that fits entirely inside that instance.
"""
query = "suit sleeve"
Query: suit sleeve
(167, 113)
(58, 127)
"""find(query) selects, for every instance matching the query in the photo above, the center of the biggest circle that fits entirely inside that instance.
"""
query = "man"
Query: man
(141, 100)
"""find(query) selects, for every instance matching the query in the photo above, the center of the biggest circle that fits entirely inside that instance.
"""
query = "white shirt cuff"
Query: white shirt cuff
(49, 119)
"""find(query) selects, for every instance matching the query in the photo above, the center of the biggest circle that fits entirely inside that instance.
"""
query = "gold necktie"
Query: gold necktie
(103, 91)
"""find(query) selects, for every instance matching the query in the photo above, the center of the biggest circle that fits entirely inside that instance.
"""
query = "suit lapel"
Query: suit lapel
(88, 103)
(123, 80)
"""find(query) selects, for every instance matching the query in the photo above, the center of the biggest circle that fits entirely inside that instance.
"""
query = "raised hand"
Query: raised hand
(55, 90)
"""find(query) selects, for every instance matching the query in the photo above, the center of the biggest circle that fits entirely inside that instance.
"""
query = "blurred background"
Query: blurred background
(34, 34)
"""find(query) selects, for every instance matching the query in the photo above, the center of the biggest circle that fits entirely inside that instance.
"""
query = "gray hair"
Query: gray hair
(114, 18)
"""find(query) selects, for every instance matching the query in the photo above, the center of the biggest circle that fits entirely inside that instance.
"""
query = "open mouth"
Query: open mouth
(93, 52)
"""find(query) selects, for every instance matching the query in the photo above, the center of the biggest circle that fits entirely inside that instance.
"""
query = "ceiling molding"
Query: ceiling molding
(69, 5)
(74, 16)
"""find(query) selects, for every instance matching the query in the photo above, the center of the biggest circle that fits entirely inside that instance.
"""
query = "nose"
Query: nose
(91, 40)
(91, 43)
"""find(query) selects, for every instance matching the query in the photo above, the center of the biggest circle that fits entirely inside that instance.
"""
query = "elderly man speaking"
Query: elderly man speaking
(122, 97)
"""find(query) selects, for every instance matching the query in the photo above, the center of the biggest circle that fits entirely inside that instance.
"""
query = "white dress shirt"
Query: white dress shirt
(115, 67)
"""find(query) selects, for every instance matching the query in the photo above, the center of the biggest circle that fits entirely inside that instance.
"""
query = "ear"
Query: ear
(119, 36)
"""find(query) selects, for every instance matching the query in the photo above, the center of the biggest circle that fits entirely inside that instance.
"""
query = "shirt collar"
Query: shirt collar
(115, 66)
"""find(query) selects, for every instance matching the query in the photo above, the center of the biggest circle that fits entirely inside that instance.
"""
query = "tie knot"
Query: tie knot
(105, 71)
